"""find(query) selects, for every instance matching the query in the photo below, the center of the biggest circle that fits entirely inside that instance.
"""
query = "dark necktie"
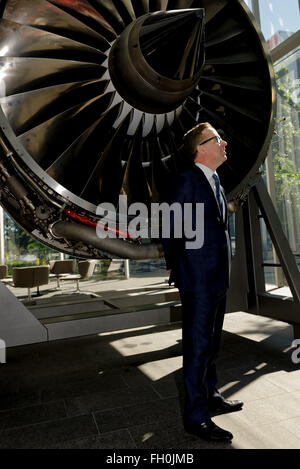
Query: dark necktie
(218, 195)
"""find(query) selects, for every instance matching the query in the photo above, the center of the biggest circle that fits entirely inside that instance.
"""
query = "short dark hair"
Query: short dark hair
(191, 139)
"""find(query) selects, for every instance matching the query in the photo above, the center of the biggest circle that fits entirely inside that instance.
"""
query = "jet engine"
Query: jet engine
(95, 97)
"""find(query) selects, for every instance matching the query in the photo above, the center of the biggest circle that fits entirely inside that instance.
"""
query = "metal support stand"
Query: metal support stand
(126, 268)
(247, 291)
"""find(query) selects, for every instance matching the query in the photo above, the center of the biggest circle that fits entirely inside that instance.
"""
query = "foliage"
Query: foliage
(19, 243)
(40, 250)
(18, 263)
(285, 144)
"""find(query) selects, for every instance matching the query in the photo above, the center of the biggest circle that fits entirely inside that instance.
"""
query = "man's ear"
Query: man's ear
(199, 153)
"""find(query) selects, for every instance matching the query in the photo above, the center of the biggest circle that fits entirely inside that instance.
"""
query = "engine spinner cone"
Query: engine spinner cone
(137, 71)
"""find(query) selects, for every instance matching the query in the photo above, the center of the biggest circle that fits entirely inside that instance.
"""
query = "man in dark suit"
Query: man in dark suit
(202, 275)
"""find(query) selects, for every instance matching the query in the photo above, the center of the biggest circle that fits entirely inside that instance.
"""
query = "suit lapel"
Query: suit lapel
(208, 186)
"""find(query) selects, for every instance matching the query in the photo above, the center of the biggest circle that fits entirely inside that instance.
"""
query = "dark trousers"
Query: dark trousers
(202, 321)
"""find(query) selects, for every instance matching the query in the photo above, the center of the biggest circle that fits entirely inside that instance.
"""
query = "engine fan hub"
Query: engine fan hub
(134, 76)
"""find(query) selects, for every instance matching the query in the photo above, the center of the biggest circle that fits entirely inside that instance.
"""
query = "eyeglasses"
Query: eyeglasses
(217, 137)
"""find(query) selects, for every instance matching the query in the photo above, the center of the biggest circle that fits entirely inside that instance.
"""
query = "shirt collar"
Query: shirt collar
(207, 171)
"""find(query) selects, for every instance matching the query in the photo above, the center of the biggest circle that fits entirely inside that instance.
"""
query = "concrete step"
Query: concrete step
(111, 319)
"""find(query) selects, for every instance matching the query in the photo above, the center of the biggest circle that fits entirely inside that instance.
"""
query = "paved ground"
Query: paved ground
(124, 389)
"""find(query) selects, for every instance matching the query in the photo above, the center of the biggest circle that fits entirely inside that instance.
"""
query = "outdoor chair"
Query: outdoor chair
(85, 271)
(3, 271)
(4, 278)
(62, 269)
(29, 277)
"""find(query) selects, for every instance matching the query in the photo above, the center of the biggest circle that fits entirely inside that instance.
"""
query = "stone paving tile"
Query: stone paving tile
(21, 398)
(247, 372)
(155, 343)
(243, 356)
(166, 388)
(135, 409)
(292, 425)
(270, 410)
(89, 386)
(168, 435)
(79, 351)
(228, 360)
(254, 327)
(197, 443)
(161, 368)
(31, 415)
(230, 422)
(61, 377)
(266, 437)
(126, 417)
(110, 400)
(115, 440)
(287, 381)
(250, 388)
(132, 375)
(18, 357)
(45, 435)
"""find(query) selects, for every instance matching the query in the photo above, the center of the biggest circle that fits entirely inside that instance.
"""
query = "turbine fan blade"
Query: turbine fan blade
(141, 7)
(48, 140)
(73, 167)
(87, 15)
(105, 182)
(135, 184)
(181, 4)
(160, 174)
(26, 41)
(40, 73)
(44, 15)
(172, 43)
(157, 5)
(43, 104)
(111, 14)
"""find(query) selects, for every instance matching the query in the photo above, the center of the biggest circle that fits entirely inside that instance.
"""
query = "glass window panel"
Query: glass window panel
(248, 3)
(283, 162)
(279, 20)
(22, 250)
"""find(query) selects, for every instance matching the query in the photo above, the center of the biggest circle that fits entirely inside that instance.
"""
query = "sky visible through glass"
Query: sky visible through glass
(279, 15)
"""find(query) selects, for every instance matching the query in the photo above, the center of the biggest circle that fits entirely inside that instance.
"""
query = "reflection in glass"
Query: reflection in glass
(283, 163)
(279, 20)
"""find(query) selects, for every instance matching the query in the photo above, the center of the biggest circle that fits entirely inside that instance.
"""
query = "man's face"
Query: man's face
(211, 149)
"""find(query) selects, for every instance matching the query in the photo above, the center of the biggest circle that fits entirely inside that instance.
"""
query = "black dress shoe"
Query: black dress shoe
(208, 431)
(221, 405)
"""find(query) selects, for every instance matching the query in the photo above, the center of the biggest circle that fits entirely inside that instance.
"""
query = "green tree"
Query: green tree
(40, 250)
(19, 243)
(286, 147)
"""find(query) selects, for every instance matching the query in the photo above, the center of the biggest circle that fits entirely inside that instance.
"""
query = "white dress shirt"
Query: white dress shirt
(209, 176)
(209, 173)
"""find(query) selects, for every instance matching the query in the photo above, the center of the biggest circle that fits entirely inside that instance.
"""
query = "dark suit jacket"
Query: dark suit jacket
(208, 267)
